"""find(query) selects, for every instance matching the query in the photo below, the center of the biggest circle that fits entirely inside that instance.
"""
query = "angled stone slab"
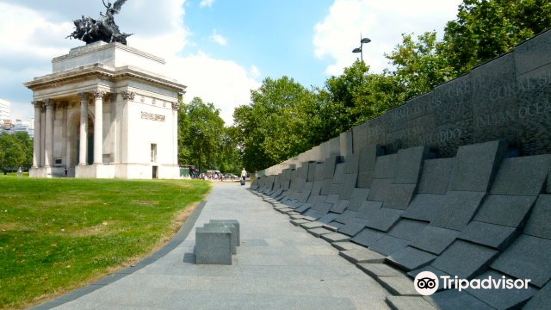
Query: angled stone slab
(346, 245)
(407, 229)
(458, 209)
(541, 299)
(385, 166)
(351, 162)
(299, 222)
(330, 227)
(368, 209)
(521, 175)
(335, 237)
(345, 189)
(296, 216)
(464, 259)
(387, 244)
(527, 258)
(383, 219)
(398, 196)
(352, 227)
(435, 176)
(505, 210)
(362, 256)
(425, 207)
(311, 225)
(501, 298)
(495, 236)
(538, 224)
(328, 218)
(453, 299)
(308, 218)
(379, 270)
(318, 232)
(368, 157)
(408, 303)
(434, 239)
(401, 286)
(410, 258)
(409, 164)
(340, 206)
(476, 165)
(359, 195)
(367, 237)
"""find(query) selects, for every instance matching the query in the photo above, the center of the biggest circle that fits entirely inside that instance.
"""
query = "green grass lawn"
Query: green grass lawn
(59, 234)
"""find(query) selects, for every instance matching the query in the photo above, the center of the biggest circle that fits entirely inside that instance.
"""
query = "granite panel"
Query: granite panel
(434, 239)
(328, 218)
(541, 299)
(359, 195)
(527, 258)
(311, 171)
(409, 258)
(501, 298)
(398, 196)
(454, 299)
(435, 176)
(383, 219)
(402, 286)
(340, 206)
(367, 237)
(425, 207)
(367, 157)
(495, 236)
(539, 222)
(349, 183)
(387, 245)
(521, 175)
(533, 53)
(362, 256)
(409, 164)
(408, 303)
(464, 259)
(476, 165)
(386, 166)
(458, 209)
(352, 227)
(407, 229)
(505, 210)
(379, 270)
(338, 177)
(351, 162)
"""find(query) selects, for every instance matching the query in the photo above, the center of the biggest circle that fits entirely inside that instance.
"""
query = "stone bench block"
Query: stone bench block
(213, 245)
(362, 256)
(234, 223)
(233, 231)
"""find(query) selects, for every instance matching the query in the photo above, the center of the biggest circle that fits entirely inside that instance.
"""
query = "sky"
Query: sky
(220, 49)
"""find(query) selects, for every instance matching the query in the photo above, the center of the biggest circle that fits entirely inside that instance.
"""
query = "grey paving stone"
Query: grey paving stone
(346, 245)
(501, 298)
(541, 299)
(410, 258)
(521, 175)
(367, 237)
(458, 209)
(380, 270)
(385, 166)
(311, 225)
(464, 259)
(359, 195)
(383, 219)
(495, 236)
(407, 229)
(408, 303)
(424, 207)
(319, 231)
(330, 227)
(527, 258)
(328, 218)
(409, 164)
(352, 227)
(538, 224)
(362, 256)
(453, 299)
(402, 286)
(387, 245)
(299, 222)
(475, 166)
(505, 210)
(335, 237)
(434, 239)
(435, 176)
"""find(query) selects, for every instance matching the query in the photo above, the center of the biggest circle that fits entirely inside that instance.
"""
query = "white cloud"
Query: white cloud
(206, 3)
(159, 29)
(382, 21)
(218, 38)
(254, 71)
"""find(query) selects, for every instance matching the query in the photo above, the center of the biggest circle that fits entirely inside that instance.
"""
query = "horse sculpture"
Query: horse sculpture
(105, 29)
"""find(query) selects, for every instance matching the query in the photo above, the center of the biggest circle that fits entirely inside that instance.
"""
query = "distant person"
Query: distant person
(19, 171)
(243, 176)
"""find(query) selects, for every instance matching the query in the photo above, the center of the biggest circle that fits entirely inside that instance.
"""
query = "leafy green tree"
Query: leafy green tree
(12, 153)
(27, 144)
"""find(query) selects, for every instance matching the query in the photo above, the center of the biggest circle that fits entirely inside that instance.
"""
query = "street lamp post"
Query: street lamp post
(361, 48)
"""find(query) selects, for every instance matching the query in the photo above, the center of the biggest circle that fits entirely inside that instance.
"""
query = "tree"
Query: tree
(27, 144)
(12, 153)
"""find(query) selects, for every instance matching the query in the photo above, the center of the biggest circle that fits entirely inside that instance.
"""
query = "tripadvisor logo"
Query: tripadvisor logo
(427, 283)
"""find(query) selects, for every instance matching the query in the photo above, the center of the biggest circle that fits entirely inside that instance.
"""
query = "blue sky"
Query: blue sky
(221, 49)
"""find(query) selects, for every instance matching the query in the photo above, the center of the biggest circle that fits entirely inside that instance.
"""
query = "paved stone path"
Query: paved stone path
(277, 266)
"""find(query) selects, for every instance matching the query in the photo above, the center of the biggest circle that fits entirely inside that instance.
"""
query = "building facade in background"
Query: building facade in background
(106, 111)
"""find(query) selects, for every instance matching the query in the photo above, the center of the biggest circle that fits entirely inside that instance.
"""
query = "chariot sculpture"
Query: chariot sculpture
(104, 29)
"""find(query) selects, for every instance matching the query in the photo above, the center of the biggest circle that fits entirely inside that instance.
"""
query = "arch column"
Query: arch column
(83, 148)
(98, 126)
(48, 151)
(36, 134)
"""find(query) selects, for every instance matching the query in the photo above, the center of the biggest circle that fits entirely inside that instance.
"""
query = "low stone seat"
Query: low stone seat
(213, 245)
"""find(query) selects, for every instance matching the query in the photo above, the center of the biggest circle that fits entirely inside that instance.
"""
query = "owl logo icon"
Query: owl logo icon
(426, 283)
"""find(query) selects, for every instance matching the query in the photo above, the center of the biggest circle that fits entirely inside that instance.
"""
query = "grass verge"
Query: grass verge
(59, 234)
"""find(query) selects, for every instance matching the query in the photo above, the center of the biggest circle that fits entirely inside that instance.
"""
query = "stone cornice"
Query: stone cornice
(99, 71)
(100, 46)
